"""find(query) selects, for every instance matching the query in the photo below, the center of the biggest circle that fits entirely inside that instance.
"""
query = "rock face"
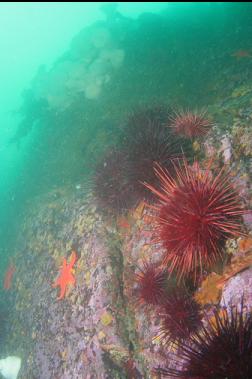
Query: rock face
(238, 286)
(89, 333)
(97, 331)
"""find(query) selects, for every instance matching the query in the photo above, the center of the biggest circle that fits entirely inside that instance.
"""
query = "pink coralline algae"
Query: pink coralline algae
(239, 285)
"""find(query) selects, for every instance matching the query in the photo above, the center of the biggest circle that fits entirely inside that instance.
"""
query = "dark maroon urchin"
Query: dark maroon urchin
(190, 124)
(180, 317)
(111, 188)
(220, 350)
(151, 284)
(147, 140)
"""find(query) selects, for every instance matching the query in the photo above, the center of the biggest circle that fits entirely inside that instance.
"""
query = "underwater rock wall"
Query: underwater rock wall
(98, 329)
(89, 332)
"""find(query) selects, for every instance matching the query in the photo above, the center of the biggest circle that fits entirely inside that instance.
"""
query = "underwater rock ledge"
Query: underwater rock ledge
(88, 331)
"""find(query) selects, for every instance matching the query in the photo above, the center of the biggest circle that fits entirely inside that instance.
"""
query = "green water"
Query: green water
(61, 106)
(34, 36)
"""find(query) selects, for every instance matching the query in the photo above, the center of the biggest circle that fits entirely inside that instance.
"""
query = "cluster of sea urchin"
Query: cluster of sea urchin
(196, 212)
(190, 124)
(147, 141)
(222, 349)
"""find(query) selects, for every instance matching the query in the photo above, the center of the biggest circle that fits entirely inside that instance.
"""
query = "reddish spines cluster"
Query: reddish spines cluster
(221, 349)
(190, 124)
(180, 317)
(151, 284)
(196, 212)
(147, 140)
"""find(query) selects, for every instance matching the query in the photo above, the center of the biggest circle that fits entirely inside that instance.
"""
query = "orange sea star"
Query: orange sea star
(66, 276)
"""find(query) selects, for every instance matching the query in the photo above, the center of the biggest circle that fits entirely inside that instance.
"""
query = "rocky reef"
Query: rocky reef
(97, 330)
(94, 325)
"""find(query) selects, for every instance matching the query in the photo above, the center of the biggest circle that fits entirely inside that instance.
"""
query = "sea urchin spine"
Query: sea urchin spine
(147, 140)
(196, 212)
(151, 284)
(190, 124)
(220, 350)
(180, 317)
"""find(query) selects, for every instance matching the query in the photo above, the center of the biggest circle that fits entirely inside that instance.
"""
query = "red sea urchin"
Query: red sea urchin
(220, 350)
(151, 284)
(190, 124)
(180, 317)
(196, 212)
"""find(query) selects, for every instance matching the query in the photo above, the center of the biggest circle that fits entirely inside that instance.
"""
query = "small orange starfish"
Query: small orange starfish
(66, 276)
